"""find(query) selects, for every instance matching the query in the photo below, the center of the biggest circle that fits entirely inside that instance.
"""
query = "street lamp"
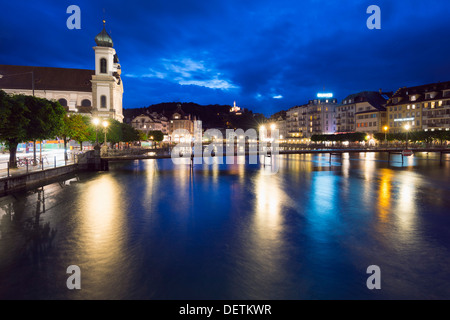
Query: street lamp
(385, 134)
(407, 127)
(105, 125)
(96, 122)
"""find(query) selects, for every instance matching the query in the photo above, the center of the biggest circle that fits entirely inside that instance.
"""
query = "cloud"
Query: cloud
(267, 55)
(186, 71)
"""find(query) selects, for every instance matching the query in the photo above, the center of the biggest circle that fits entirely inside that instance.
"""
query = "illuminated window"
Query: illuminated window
(440, 103)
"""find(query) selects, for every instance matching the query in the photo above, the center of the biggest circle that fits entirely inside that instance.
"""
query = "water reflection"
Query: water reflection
(384, 194)
(405, 206)
(101, 250)
(152, 230)
(25, 240)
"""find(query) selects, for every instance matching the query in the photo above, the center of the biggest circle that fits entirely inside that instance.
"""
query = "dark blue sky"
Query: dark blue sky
(266, 55)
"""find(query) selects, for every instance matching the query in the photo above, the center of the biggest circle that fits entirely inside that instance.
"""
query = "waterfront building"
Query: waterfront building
(321, 116)
(345, 116)
(363, 112)
(96, 93)
(180, 120)
(316, 117)
(425, 107)
(280, 124)
(293, 130)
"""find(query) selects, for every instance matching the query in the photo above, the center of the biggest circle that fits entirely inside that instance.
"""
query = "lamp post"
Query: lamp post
(105, 126)
(407, 127)
(385, 134)
(96, 122)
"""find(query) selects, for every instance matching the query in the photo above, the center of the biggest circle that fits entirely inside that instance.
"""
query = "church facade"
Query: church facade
(96, 93)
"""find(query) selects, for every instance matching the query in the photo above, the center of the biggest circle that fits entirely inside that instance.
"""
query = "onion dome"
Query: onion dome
(103, 39)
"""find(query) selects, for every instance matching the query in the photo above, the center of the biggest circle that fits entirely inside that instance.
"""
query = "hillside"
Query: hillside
(212, 116)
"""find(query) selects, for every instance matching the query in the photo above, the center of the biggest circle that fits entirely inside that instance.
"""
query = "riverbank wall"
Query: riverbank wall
(89, 161)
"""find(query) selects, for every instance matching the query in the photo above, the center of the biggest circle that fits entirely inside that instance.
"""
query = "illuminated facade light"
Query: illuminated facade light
(403, 119)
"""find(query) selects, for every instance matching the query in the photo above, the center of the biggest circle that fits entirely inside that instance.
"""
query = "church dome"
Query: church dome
(103, 39)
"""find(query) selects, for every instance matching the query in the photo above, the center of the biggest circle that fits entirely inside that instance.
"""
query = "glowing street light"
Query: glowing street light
(407, 127)
(386, 128)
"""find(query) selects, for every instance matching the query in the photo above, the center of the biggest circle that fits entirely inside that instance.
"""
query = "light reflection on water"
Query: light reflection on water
(149, 229)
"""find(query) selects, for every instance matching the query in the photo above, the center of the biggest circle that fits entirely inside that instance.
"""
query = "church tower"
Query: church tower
(107, 87)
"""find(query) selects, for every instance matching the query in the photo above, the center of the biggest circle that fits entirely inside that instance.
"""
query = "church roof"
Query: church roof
(46, 78)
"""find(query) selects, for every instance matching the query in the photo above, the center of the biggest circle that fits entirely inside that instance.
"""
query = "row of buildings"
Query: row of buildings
(425, 107)
(167, 124)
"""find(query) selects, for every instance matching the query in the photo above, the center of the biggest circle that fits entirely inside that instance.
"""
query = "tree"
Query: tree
(157, 135)
(78, 128)
(46, 119)
(114, 134)
(13, 124)
(129, 134)
(143, 136)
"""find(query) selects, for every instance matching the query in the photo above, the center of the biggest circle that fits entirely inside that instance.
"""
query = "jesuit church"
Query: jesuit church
(97, 93)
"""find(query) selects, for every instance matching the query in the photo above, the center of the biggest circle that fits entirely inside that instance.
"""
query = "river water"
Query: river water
(154, 230)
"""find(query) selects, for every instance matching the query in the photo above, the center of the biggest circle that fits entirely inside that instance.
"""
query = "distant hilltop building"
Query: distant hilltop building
(235, 109)
(96, 93)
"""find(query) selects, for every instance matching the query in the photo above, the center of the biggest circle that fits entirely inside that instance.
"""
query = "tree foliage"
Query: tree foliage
(157, 136)
(427, 137)
(15, 117)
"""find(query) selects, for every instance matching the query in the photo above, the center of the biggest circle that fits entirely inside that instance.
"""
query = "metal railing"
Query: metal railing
(26, 165)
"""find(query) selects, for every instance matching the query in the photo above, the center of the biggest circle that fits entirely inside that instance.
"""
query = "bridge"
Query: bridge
(142, 154)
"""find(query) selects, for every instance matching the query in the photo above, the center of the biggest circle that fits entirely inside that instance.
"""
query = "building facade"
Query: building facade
(151, 122)
(180, 120)
(363, 112)
(425, 107)
(316, 117)
(345, 116)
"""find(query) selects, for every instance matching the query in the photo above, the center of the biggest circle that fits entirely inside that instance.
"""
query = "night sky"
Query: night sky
(266, 55)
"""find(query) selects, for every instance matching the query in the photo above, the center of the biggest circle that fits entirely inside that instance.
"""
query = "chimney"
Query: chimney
(381, 91)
